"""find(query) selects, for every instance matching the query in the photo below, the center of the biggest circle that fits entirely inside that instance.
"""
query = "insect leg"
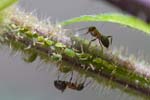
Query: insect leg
(101, 45)
(58, 76)
(91, 42)
(87, 83)
(110, 38)
(71, 76)
(58, 65)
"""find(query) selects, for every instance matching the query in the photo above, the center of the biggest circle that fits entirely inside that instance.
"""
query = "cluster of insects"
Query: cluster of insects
(62, 85)
(103, 39)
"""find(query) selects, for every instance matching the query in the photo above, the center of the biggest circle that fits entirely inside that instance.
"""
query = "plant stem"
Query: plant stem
(57, 45)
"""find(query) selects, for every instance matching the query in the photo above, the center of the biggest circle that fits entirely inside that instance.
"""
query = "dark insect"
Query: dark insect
(62, 85)
(103, 40)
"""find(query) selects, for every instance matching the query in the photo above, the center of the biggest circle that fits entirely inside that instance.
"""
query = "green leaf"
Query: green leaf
(69, 52)
(5, 3)
(127, 20)
(60, 45)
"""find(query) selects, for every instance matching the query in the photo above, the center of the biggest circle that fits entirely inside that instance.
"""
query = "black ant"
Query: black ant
(103, 40)
(62, 85)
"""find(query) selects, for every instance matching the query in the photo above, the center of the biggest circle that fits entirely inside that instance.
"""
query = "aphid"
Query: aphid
(103, 40)
(62, 85)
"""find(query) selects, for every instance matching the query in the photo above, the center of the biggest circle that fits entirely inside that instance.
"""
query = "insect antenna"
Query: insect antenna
(81, 29)
(77, 30)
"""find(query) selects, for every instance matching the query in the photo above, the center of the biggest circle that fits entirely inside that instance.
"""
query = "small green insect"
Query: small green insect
(103, 40)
